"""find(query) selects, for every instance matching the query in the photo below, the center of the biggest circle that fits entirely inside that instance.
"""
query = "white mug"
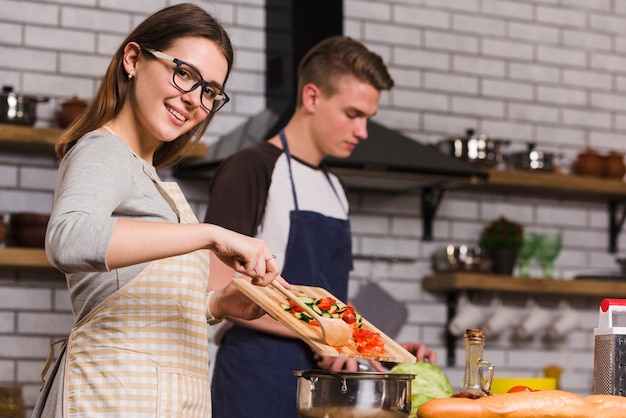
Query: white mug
(501, 318)
(468, 316)
(566, 321)
(537, 319)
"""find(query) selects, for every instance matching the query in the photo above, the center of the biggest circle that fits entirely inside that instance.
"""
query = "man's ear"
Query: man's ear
(310, 97)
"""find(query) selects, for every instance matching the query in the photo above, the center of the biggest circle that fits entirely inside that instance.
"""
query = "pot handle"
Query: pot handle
(307, 374)
(313, 376)
(42, 99)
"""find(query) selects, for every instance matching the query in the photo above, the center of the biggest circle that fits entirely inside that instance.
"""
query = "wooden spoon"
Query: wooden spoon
(335, 330)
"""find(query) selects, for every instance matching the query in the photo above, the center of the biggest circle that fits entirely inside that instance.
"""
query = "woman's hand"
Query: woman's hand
(246, 255)
(229, 301)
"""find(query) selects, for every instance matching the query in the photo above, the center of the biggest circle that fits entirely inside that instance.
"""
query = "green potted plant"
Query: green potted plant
(501, 239)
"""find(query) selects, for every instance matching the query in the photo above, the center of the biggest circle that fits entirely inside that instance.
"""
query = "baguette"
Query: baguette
(540, 404)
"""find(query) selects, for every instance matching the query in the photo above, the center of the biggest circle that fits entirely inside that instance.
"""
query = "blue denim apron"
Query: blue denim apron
(253, 374)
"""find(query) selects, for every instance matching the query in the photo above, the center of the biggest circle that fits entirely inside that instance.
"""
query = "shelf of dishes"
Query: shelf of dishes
(460, 281)
(456, 283)
(23, 257)
(27, 139)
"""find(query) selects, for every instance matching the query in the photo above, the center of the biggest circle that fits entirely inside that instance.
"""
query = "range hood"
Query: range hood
(387, 160)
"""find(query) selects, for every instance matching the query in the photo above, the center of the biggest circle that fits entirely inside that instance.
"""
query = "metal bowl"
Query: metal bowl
(324, 394)
(460, 258)
(532, 160)
(478, 149)
(18, 109)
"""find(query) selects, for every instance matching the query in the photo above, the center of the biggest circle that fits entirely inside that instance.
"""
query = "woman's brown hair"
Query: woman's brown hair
(158, 32)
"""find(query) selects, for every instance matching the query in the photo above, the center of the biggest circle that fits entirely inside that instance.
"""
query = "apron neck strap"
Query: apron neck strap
(283, 140)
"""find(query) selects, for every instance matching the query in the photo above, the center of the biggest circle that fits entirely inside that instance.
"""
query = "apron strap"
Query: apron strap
(325, 171)
(283, 140)
(46, 366)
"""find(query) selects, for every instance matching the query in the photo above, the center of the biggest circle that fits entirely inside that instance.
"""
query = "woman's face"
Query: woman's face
(163, 111)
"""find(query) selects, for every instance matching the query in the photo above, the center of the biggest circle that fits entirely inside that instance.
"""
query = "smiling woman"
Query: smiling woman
(135, 256)
(157, 100)
(206, 48)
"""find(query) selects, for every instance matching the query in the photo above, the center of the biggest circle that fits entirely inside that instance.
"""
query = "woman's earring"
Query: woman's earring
(130, 75)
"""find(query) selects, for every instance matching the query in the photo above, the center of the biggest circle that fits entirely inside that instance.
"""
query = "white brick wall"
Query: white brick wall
(548, 71)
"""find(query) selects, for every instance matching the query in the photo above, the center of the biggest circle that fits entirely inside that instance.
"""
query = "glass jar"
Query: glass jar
(475, 385)
(11, 401)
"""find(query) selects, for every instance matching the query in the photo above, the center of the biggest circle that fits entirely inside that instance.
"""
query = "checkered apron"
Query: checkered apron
(143, 352)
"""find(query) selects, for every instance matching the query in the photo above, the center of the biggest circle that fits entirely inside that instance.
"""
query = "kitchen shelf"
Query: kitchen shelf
(611, 191)
(508, 181)
(16, 138)
(23, 257)
(563, 185)
(454, 283)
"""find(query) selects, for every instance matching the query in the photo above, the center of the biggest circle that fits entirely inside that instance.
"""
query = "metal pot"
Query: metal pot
(460, 258)
(324, 394)
(18, 109)
(478, 149)
(532, 160)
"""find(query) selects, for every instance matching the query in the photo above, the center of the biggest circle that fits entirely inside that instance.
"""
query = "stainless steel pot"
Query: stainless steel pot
(531, 160)
(324, 394)
(18, 109)
(479, 149)
(460, 258)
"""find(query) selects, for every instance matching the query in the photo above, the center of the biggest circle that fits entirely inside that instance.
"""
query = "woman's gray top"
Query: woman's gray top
(99, 180)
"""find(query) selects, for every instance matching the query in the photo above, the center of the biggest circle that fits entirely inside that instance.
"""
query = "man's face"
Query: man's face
(340, 120)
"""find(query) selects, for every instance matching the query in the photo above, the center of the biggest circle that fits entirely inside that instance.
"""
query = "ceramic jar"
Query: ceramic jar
(70, 110)
(614, 166)
(589, 163)
(11, 401)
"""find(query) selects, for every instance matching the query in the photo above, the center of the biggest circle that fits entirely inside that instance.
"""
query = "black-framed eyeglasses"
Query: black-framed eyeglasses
(186, 78)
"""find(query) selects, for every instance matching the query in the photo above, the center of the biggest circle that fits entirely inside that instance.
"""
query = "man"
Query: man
(279, 191)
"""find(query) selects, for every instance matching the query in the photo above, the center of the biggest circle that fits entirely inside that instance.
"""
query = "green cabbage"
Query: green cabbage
(429, 383)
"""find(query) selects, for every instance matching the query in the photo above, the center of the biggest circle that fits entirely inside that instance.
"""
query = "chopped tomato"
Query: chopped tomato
(521, 389)
(348, 315)
(325, 303)
(294, 307)
(368, 342)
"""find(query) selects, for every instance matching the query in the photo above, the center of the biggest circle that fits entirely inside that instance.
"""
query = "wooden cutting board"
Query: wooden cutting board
(271, 300)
